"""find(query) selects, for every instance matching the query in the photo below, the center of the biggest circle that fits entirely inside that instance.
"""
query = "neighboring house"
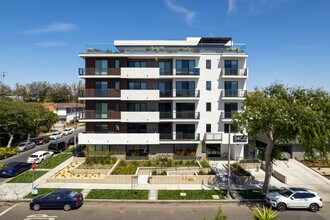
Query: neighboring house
(66, 111)
(165, 96)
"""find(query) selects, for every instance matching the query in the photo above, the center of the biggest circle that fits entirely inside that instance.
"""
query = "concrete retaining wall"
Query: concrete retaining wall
(242, 180)
(250, 166)
(120, 179)
(189, 179)
(277, 174)
(90, 171)
(75, 180)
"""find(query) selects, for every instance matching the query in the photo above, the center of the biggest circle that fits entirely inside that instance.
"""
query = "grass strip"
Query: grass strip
(251, 194)
(190, 194)
(43, 191)
(118, 194)
(55, 161)
(27, 177)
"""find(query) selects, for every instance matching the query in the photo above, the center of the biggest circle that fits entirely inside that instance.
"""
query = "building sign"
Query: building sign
(240, 138)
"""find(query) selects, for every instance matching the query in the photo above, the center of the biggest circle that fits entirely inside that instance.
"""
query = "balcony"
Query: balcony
(186, 136)
(213, 136)
(99, 94)
(233, 94)
(187, 71)
(185, 93)
(140, 73)
(234, 73)
(187, 115)
(227, 115)
(165, 93)
(143, 95)
(235, 49)
(165, 72)
(166, 115)
(91, 72)
(166, 136)
(97, 116)
(139, 117)
(119, 138)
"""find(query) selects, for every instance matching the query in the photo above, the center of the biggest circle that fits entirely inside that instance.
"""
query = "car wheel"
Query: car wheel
(67, 207)
(36, 207)
(281, 207)
(314, 207)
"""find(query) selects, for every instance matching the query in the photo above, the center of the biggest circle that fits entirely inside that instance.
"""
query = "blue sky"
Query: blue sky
(287, 40)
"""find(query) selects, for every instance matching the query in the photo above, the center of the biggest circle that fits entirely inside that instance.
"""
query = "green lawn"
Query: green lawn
(43, 191)
(55, 161)
(117, 194)
(250, 194)
(190, 194)
(27, 177)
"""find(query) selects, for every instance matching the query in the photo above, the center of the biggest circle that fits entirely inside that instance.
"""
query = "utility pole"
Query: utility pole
(228, 178)
(2, 81)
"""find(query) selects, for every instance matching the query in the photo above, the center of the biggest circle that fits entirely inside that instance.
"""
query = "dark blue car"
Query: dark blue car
(14, 168)
(60, 199)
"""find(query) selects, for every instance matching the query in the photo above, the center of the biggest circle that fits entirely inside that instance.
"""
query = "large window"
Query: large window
(230, 109)
(208, 106)
(101, 88)
(117, 63)
(165, 68)
(137, 107)
(137, 150)
(231, 67)
(136, 128)
(208, 64)
(117, 85)
(101, 128)
(208, 128)
(137, 64)
(185, 110)
(233, 129)
(101, 110)
(185, 67)
(185, 131)
(185, 88)
(208, 85)
(137, 85)
(101, 67)
(165, 89)
(184, 149)
(231, 88)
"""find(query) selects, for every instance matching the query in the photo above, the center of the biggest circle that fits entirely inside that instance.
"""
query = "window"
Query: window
(101, 128)
(208, 106)
(165, 68)
(101, 110)
(185, 88)
(165, 89)
(101, 67)
(208, 64)
(185, 67)
(117, 86)
(231, 67)
(232, 128)
(117, 107)
(117, 63)
(137, 85)
(137, 107)
(208, 128)
(136, 128)
(231, 88)
(116, 128)
(101, 89)
(137, 64)
(230, 109)
(208, 85)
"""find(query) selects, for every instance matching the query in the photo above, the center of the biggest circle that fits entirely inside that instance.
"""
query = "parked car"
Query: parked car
(57, 146)
(71, 141)
(23, 146)
(294, 198)
(14, 168)
(41, 140)
(60, 199)
(67, 131)
(40, 156)
(56, 135)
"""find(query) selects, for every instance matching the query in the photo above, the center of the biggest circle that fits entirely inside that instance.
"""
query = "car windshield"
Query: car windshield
(34, 156)
(12, 165)
(22, 144)
(285, 193)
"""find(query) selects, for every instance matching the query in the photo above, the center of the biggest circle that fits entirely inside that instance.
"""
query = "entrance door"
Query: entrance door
(213, 150)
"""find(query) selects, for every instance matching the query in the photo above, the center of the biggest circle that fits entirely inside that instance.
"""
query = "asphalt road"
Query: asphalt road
(142, 211)
(23, 156)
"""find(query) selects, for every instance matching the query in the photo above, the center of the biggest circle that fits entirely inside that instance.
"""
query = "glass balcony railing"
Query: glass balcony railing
(166, 115)
(188, 71)
(186, 93)
(165, 71)
(234, 72)
(187, 115)
(234, 93)
(101, 115)
(165, 93)
(166, 136)
(100, 92)
(186, 136)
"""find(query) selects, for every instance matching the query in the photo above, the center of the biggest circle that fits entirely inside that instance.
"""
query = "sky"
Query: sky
(287, 40)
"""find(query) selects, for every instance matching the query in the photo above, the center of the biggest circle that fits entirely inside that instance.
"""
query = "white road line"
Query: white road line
(7, 210)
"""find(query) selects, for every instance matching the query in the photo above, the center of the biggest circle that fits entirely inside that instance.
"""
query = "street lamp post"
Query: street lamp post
(228, 177)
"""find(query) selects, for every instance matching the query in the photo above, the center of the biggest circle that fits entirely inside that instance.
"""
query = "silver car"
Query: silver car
(26, 146)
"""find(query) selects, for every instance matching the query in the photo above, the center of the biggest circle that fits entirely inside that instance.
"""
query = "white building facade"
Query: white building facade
(146, 97)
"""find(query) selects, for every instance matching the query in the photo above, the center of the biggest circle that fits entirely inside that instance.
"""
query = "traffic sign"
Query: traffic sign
(34, 166)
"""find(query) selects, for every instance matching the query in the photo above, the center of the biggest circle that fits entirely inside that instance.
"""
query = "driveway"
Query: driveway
(301, 176)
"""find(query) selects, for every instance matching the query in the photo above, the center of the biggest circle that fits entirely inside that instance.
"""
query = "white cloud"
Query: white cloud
(51, 44)
(231, 6)
(189, 15)
(51, 28)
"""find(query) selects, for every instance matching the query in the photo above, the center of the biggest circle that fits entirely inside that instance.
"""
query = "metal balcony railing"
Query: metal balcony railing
(228, 114)
(166, 136)
(165, 72)
(187, 115)
(186, 136)
(186, 93)
(188, 71)
(234, 72)
(213, 136)
(234, 93)
(90, 71)
(166, 115)
(165, 93)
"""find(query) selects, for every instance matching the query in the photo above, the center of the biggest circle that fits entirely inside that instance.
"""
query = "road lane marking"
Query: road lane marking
(7, 210)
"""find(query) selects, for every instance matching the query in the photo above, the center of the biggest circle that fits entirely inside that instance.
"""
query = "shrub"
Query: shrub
(239, 171)
(204, 163)
(2, 165)
(122, 163)
(154, 172)
(149, 163)
(264, 214)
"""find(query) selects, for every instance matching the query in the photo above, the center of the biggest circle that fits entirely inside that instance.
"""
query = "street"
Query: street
(142, 211)
(22, 157)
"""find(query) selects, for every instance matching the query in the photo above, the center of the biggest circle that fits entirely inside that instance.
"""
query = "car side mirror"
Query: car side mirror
(292, 198)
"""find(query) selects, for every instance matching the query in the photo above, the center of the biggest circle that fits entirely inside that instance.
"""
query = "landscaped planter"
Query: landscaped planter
(90, 171)
(242, 180)
(185, 179)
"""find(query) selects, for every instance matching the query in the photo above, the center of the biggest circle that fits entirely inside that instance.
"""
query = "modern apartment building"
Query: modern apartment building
(149, 97)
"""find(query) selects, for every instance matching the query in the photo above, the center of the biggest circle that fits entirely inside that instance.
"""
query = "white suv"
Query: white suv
(39, 156)
(294, 198)
(56, 135)
(67, 131)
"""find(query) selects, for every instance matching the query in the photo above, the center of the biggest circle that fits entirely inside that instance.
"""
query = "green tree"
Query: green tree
(286, 115)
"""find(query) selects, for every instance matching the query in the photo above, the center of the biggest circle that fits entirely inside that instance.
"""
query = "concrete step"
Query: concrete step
(143, 179)
(153, 194)
(85, 192)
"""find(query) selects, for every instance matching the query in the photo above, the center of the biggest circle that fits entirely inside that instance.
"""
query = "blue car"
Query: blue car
(60, 199)
(14, 168)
